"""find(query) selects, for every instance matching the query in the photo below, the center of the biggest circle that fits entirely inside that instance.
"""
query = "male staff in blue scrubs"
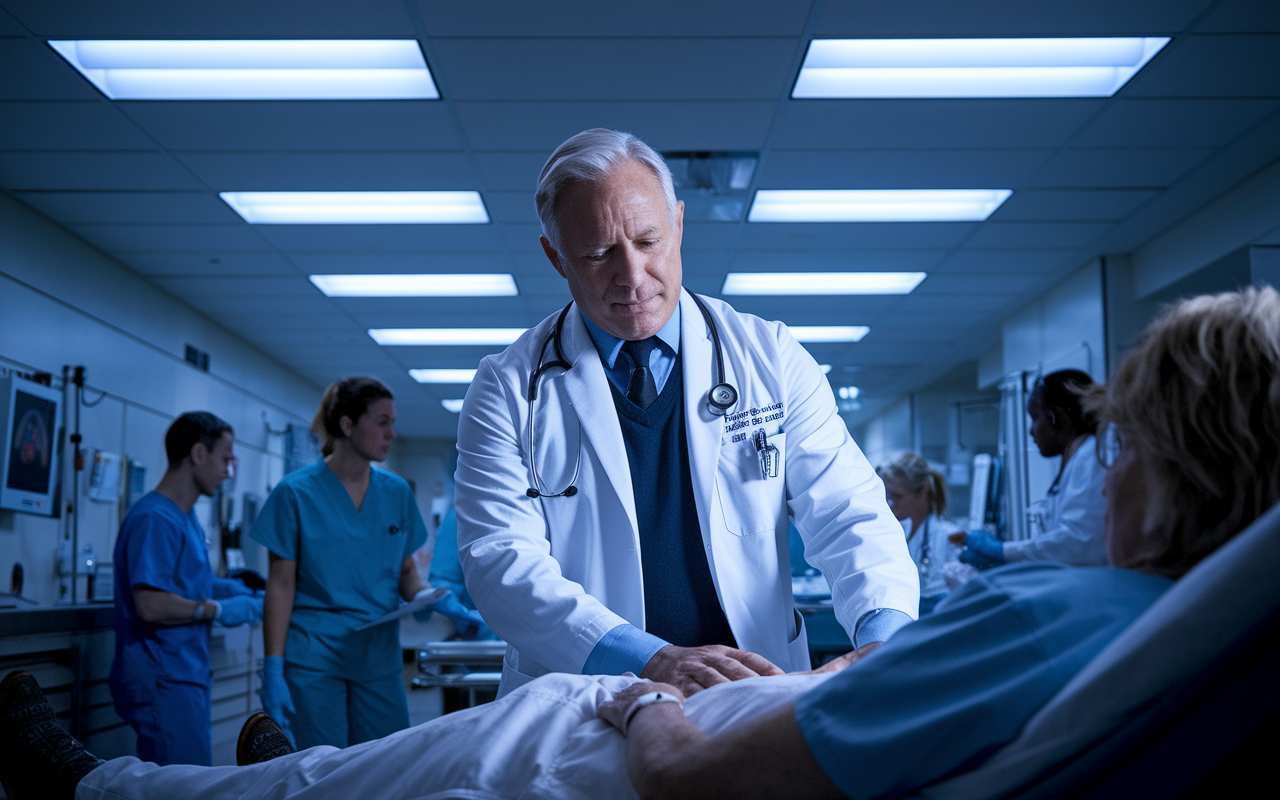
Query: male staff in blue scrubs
(164, 589)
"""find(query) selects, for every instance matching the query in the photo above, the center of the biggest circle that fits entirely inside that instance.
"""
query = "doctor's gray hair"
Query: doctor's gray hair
(588, 157)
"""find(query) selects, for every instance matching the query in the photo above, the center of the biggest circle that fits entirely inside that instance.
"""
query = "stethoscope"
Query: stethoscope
(720, 400)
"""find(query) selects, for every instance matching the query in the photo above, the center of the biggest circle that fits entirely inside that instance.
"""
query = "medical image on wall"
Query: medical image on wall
(31, 445)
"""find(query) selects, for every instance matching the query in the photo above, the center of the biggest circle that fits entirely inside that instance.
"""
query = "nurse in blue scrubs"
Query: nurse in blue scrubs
(341, 533)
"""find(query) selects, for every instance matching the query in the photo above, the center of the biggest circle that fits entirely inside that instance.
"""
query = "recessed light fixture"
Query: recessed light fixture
(825, 368)
(442, 375)
(877, 68)
(415, 285)
(828, 333)
(358, 208)
(812, 283)
(453, 405)
(875, 205)
(427, 337)
(848, 392)
(253, 69)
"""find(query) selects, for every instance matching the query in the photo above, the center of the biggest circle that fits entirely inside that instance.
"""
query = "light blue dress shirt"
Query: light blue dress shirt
(626, 648)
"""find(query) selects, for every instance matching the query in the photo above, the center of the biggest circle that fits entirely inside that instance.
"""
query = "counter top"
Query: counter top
(51, 619)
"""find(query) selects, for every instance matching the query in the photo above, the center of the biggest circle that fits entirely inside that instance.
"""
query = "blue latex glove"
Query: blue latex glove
(230, 587)
(276, 699)
(453, 610)
(982, 550)
(233, 611)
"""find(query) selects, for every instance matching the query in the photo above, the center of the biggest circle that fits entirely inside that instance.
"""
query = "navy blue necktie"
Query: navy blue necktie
(641, 388)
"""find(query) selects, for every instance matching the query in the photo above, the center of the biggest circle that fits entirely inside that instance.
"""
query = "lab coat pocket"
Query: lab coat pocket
(750, 502)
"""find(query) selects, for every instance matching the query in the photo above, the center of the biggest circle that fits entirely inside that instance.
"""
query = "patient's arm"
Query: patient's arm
(668, 757)
(840, 662)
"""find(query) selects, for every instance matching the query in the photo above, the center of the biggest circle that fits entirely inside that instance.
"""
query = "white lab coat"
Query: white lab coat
(1071, 517)
(553, 575)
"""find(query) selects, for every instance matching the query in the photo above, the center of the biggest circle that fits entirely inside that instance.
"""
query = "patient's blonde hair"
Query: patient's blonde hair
(1199, 398)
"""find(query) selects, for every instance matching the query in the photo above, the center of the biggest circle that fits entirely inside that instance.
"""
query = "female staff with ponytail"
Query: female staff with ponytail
(341, 533)
(917, 496)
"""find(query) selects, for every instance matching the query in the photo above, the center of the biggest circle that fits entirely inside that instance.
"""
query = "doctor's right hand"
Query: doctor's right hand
(276, 699)
(692, 669)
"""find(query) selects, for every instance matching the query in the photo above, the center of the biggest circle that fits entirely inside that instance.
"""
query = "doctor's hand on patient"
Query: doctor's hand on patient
(692, 669)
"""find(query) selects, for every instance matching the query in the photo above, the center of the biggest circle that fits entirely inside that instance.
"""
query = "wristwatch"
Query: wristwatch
(648, 700)
(199, 612)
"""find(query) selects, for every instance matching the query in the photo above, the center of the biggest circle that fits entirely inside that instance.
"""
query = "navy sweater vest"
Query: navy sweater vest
(680, 602)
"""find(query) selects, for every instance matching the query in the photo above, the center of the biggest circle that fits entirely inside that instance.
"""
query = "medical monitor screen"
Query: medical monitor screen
(31, 443)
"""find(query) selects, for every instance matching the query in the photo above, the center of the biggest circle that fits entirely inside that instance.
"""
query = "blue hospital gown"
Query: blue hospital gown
(945, 693)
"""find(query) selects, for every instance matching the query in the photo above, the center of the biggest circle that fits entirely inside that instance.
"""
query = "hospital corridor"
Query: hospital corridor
(775, 398)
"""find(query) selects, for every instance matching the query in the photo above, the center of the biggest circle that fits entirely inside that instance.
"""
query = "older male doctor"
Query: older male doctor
(627, 467)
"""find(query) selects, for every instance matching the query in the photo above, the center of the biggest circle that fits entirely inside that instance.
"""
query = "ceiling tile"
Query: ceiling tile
(372, 238)
(1173, 123)
(615, 68)
(1031, 261)
(1019, 123)
(171, 238)
(9, 26)
(1235, 65)
(1037, 234)
(208, 286)
(297, 125)
(122, 171)
(836, 260)
(659, 18)
(978, 283)
(899, 169)
(720, 125)
(215, 263)
(1072, 204)
(135, 207)
(511, 206)
(334, 172)
(1233, 16)
(867, 235)
(68, 126)
(512, 171)
(945, 19)
(228, 19)
(1120, 167)
(30, 70)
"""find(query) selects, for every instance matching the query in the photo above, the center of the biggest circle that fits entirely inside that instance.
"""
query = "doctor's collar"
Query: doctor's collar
(609, 346)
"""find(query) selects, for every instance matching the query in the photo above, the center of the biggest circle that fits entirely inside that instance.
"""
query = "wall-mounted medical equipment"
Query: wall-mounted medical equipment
(29, 465)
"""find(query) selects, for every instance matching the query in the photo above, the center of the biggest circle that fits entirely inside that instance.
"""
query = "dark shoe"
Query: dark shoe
(261, 739)
(38, 758)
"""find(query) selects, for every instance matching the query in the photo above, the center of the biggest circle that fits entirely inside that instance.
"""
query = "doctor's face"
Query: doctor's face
(620, 251)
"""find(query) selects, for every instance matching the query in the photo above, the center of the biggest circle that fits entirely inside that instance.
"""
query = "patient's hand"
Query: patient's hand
(841, 662)
(693, 669)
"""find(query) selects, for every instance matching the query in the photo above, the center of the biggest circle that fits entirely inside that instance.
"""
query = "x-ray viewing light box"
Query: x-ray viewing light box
(886, 68)
(249, 69)
(817, 283)
(428, 337)
(479, 285)
(442, 375)
(358, 208)
(875, 205)
(31, 414)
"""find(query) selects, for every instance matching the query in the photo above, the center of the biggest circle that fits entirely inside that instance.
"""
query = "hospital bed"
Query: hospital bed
(471, 668)
(1185, 703)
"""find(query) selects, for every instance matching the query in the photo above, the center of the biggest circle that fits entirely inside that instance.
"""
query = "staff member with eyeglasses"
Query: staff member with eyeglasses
(166, 597)
(627, 468)
(1070, 517)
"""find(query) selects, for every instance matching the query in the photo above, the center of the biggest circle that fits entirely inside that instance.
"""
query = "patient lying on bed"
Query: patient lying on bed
(1196, 409)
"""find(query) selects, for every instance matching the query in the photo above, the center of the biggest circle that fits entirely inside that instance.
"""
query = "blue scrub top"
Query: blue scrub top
(348, 566)
(164, 549)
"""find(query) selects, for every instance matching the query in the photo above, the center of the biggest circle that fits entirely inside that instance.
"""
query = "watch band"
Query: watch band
(648, 700)
(198, 615)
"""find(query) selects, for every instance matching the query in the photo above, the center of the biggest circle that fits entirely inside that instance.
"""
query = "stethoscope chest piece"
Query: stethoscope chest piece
(723, 397)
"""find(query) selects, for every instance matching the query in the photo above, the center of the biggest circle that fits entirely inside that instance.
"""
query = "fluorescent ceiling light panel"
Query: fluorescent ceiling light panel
(875, 205)
(253, 69)
(415, 285)
(358, 208)
(452, 405)
(442, 375)
(828, 333)
(825, 368)
(428, 337)
(877, 68)
(814, 283)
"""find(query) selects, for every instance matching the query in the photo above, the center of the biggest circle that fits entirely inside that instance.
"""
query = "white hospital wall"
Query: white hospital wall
(63, 302)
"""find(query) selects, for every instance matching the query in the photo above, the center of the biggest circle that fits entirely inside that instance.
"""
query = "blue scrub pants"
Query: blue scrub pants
(172, 719)
(339, 712)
